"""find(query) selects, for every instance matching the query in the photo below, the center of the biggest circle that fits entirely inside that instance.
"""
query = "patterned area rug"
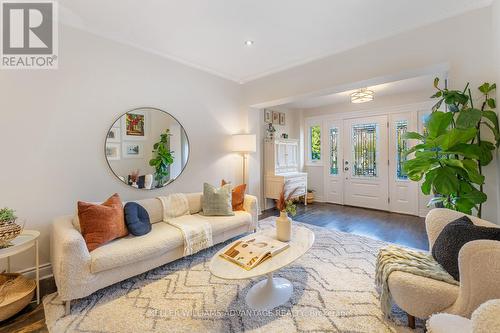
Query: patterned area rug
(333, 292)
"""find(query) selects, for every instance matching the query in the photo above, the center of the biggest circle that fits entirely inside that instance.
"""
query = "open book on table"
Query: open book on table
(251, 252)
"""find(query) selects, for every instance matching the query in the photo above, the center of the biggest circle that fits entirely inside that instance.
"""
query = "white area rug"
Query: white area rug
(333, 292)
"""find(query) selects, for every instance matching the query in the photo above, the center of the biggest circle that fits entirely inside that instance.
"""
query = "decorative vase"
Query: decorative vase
(283, 227)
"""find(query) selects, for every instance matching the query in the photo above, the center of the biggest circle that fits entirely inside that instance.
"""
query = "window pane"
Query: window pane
(401, 147)
(364, 142)
(334, 167)
(315, 143)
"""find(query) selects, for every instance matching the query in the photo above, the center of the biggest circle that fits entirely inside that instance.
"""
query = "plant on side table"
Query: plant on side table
(286, 206)
(8, 227)
(453, 149)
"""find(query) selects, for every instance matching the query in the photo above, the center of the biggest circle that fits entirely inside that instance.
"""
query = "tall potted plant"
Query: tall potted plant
(452, 150)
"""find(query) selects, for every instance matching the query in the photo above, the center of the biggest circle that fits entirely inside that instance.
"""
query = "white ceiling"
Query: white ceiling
(421, 83)
(210, 34)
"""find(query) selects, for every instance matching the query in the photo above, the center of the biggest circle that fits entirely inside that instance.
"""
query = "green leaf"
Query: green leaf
(465, 206)
(446, 181)
(455, 136)
(484, 151)
(468, 118)
(427, 184)
(437, 95)
(464, 149)
(473, 171)
(491, 116)
(415, 168)
(484, 88)
(491, 103)
(475, 196)
(438, 122)
(413, 136)
(415, 148)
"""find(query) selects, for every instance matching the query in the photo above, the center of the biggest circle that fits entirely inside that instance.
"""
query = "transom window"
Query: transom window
(334, 165)
(315, 139)
(401, 148)
(364, 139)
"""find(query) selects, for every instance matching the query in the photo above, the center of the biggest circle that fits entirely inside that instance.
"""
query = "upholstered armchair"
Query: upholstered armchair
(479, 266)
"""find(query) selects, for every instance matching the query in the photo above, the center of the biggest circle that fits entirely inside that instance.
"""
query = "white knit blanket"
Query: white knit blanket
(197, 233)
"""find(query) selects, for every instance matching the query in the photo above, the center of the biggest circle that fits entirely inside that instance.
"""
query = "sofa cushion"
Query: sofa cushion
(136, 219)
(238, 195)
(451, 239)
(217, 201)
(221, 224)
(128, 250)
(101, 223)
(153, 207)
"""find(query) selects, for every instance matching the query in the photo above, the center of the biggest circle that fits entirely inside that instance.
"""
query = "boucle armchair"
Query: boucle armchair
(479, 266)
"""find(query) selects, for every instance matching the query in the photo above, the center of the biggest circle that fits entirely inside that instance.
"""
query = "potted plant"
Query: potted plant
(8, 227)
(452, 151)
(286, 206)
(162, 159)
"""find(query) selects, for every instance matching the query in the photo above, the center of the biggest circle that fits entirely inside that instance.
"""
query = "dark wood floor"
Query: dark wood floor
(390, 227)
(395, 228)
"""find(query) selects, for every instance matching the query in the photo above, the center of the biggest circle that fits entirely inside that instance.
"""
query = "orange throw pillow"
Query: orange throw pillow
(102, 223)
(238, 195)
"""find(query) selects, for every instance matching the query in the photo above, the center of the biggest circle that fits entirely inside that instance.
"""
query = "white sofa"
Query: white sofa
(79, 273)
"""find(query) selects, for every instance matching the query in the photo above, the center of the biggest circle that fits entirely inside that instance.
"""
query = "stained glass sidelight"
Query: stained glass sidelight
(401, 147)
(334, 166)
(364, 140)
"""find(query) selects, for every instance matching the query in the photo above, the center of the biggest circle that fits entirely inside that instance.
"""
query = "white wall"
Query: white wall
(465, 42)
(54, 123)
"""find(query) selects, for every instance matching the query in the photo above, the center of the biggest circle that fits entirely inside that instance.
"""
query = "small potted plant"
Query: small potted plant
(8, 227)
(286, 206)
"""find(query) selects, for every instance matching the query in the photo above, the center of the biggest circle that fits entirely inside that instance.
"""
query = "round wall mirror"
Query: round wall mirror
(147, 148)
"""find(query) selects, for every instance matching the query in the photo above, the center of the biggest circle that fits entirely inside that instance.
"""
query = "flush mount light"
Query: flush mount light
(362, 96)
(249, 42)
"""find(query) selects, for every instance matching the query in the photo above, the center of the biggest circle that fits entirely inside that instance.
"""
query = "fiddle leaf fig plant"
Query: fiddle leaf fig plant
(452, 149)
(162, 158)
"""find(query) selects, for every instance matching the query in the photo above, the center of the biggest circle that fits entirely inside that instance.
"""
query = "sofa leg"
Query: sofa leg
(67, 307)
(411, 321)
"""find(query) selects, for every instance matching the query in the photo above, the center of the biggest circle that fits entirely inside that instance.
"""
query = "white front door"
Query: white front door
(366, 162)
(333, 167)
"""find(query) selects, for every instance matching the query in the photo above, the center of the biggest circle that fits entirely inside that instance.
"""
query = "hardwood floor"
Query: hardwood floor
(395, 228)
(390, 227)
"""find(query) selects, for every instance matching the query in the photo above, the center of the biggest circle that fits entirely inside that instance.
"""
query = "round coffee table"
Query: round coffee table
(273, 291)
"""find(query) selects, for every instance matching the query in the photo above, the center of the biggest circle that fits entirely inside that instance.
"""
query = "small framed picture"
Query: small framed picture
(112, 151)
(133, 150)
(276, 118)
(135, 126)
(282, 118)
(113, 135)
(268, 116)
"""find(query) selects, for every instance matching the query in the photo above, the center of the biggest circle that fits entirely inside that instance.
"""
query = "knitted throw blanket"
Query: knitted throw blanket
(197, 233)
(392, 258)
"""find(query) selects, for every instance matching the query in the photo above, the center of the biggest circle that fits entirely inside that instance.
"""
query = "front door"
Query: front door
(365, 162)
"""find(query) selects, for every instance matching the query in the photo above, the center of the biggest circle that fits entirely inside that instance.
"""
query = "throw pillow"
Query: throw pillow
(217, 201)
(137, 219)
(453, 237)
(238, 195)
(101, 223)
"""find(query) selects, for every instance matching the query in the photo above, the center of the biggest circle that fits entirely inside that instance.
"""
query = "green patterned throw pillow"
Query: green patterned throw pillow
(217, 201)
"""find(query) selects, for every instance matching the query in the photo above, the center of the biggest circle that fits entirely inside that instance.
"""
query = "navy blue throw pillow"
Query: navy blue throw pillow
(455, 235)
(137, 219)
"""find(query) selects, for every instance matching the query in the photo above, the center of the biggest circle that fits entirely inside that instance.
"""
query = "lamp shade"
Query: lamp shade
(245, 143)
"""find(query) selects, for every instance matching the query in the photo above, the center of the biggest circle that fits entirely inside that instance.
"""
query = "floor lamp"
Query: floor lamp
(244, 144)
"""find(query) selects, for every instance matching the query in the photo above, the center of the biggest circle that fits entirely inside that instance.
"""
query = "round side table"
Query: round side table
(25, 241)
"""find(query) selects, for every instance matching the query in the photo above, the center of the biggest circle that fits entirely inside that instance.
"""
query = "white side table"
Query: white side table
(26, 240)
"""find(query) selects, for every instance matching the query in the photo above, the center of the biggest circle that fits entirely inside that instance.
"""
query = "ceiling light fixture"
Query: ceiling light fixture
(249, 42)
(362, 96)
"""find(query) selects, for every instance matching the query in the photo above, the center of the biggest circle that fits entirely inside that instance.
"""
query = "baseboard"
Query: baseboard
(45, 271)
